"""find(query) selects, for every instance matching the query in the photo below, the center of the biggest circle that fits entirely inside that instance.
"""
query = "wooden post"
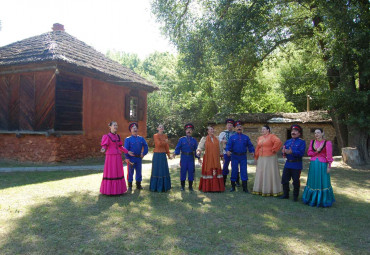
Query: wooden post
(308, 103)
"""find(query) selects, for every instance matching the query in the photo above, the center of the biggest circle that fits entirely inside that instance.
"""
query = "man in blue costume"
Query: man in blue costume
(237, 147)
(224, 138)
(293, 150)
(139, 147)
(188, 146)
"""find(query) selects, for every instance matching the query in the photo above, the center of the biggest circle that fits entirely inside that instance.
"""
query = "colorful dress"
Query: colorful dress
(212, 179)
(318, 191)
(113, 182)
(267, 181)
(160, 179)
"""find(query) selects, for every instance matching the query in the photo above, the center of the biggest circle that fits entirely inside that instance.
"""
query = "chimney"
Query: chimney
(58, 27)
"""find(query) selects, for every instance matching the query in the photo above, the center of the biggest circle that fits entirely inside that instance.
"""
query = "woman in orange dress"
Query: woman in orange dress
(212, 178)
(160, 179)
(268, 180)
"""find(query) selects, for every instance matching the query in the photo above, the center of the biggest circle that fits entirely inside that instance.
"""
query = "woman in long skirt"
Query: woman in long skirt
(318, 191)
(113, 182)
(160, 179)
(212, 179)
(268, 180)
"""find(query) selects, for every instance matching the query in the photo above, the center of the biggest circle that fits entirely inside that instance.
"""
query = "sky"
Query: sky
(122, 25)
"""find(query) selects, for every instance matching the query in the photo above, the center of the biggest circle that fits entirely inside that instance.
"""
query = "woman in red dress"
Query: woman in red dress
(212, 178)
(113, 182)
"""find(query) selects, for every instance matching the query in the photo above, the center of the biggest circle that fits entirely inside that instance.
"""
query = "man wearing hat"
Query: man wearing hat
(139, 147)
(224, 138)
(293, 151)
(187, 145)
(237, 147)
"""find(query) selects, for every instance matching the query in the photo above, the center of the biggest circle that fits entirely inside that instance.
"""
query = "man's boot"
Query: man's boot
(295, 193)
(130, 186)
(238, 180)
(138, 185)
(182, 185)
(225, 178)
(245, 186)
(286, 192)
(232, 186)
(191, 185)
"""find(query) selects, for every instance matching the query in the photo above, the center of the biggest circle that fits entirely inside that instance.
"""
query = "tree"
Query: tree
(237, 37)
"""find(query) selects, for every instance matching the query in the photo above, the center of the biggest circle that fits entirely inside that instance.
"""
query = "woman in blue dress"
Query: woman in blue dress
(318, 191)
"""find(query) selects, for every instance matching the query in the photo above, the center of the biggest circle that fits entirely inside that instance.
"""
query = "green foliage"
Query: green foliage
(314, 47)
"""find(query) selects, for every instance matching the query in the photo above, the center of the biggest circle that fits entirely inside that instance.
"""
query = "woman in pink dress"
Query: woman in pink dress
(113, 182)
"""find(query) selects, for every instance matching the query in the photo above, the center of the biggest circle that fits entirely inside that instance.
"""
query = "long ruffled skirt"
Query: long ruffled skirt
(113, 182)
(318, 191)
(268, 180)
(212, 180)
(160, 180)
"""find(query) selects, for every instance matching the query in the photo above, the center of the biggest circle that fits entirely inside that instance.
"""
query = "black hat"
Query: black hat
(131, 125)
(296, 127)
(238, 122)
(229, 121)
(189, 125)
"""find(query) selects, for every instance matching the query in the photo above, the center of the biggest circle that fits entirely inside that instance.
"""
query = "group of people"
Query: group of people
(231, 146)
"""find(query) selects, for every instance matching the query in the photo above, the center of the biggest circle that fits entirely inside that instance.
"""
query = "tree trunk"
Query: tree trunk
(360, 139)
(341, 130)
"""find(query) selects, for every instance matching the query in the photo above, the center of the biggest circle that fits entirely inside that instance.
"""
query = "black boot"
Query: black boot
(286, 191)
(245, 186)
(191, 185)
(232, 186)
(225, 178)
(237, 180)
(130, 186)
(182, 185)
(138, 185)
(295, 194)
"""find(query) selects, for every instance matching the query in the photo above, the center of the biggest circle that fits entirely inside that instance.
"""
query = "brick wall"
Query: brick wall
(39, 148)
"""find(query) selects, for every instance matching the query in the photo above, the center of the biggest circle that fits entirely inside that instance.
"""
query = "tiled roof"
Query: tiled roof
(63, 48)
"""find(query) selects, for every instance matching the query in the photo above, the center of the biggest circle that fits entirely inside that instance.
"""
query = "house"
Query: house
(57, 96)
(280, 124)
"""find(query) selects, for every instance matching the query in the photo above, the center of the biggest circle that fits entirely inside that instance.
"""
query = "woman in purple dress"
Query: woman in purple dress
(113, 182)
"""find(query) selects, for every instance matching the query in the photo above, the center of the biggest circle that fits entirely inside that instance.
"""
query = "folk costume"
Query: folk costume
(318, 191)
(160, 179)
(238, 145)
(113, 182)
(224, 136)
(187, 145)
(293, 164)
(267, 181)
(139, 147)
(212, 179)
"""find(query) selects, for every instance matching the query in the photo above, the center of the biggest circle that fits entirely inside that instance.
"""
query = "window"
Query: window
(134, 108)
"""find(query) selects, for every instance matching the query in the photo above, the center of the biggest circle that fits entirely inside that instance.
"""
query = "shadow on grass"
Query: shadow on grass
(187, 223)
(8, 180)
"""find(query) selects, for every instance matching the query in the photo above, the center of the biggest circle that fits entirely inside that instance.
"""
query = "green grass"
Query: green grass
(63, 213)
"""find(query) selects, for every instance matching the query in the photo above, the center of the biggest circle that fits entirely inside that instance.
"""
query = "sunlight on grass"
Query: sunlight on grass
(63, 213)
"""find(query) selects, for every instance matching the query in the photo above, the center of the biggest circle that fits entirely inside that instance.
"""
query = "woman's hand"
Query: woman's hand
(328, 170)
(198, 153)
(102, 150)
(131, 153)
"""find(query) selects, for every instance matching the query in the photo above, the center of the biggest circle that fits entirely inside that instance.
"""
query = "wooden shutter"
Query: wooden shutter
(4, 103)
(127, 107)
(26, 102)
(141, 108)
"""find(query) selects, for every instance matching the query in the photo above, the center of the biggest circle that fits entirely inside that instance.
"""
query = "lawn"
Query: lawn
(63, 213)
